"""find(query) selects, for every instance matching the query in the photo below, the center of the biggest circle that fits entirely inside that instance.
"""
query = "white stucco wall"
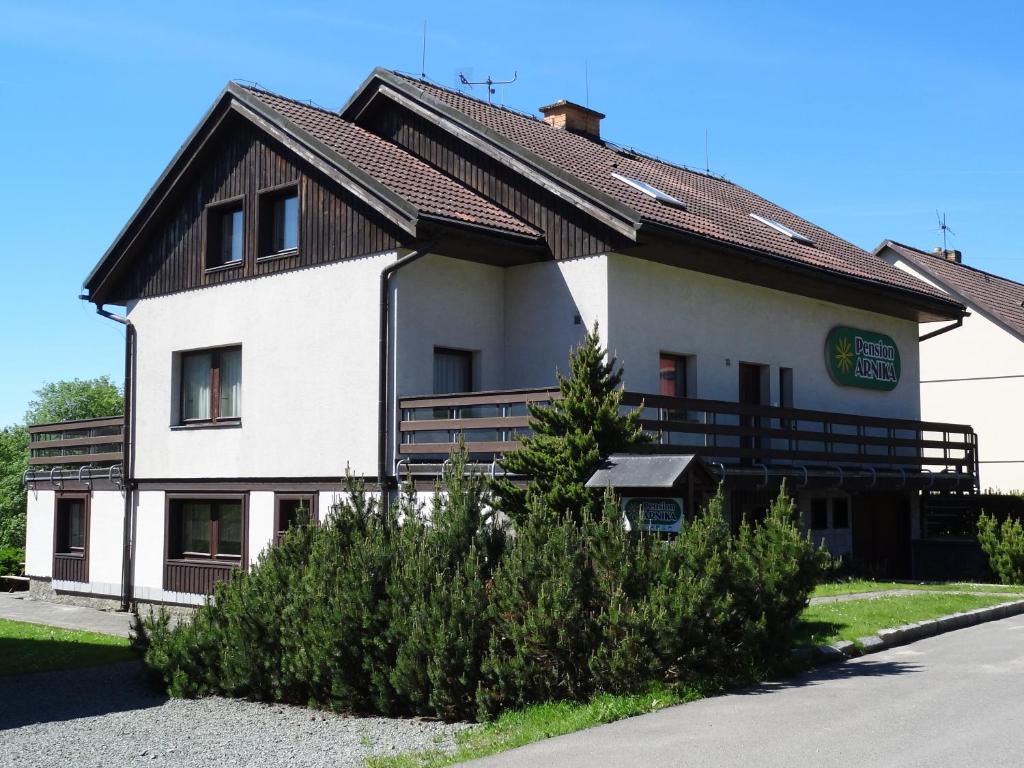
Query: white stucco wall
(964, 381)
(542, 302)
(106, 542)
(654, 308)
(309, 372)
(39, 536)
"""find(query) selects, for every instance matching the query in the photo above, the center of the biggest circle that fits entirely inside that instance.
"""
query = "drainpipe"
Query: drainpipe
(383, 372)
(126, 455)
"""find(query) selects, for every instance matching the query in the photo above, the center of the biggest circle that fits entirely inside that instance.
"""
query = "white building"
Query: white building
(976, 372)
(306, 291)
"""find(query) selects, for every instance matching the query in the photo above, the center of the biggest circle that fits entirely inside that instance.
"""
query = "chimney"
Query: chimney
(573, 117)
(948, 255)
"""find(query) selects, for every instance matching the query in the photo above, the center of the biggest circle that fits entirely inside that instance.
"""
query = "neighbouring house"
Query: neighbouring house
(976, 372)
(307, 290)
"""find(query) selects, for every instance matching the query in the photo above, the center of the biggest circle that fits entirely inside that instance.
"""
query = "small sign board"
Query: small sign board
(653, 513)
(864, 359)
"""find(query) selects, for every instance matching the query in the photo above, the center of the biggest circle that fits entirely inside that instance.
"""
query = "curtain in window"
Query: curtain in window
(76, 525)
(230, 405)
(453, 372)
(195, 382)
(286, 223)
(229, 529)
(195, 528)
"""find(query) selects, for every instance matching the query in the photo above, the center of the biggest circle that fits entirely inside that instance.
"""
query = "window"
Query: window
(672, 375)
(453, 371)
(819, 514)
(792, 234)
(840, 507)
(211, 385)
(71, 527)
(651, 191)
(225, 234)
(279, 221)
(291, 509)
(206, 529)
(840, 513)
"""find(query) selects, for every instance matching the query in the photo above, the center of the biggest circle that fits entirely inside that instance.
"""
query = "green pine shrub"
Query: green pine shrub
(1004, 544)
(569, 438)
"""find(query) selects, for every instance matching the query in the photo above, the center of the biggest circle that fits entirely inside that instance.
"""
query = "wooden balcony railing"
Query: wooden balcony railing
(733, 434)
(99, 442)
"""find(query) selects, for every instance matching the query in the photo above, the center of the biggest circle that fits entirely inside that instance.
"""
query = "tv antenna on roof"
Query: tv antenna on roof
(943, 227)
(488, 82)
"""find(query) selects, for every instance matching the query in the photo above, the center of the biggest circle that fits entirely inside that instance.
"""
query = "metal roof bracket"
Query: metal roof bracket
(57, 482)
(842, 477)
(874, 477)
(803, 483)
(87, 479)
(119, 479)
(764, 483)
(721, 469)
(903, 477)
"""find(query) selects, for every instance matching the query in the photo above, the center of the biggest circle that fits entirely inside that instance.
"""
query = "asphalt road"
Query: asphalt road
(952, 700)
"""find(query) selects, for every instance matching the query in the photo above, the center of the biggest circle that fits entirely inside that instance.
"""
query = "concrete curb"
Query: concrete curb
(908, 633)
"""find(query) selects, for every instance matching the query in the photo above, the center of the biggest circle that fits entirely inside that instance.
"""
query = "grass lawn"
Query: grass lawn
(862, 585)
(829, 622)
(542, 721)
(35, 647)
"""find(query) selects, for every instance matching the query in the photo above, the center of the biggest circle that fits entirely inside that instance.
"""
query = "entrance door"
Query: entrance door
(751, 392)
(881, 535)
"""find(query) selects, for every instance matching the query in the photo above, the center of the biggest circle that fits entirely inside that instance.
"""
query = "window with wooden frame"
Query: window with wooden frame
(211, 386)
(279, 220)
(207, 529)
(71, 526)
(291, 509)
(225, 233)
(453, 371)
(71, 536)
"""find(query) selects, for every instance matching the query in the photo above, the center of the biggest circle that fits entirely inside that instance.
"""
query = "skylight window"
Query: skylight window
(792, 234)
(652, 191)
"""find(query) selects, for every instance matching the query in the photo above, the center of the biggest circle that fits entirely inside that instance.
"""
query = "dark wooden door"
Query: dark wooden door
(749, 394)
(881, 535)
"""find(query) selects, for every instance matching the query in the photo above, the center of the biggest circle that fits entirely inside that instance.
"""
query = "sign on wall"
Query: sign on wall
(865, 359)
(653, 514)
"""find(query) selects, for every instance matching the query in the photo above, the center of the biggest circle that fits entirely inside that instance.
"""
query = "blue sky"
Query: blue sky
(864, 117)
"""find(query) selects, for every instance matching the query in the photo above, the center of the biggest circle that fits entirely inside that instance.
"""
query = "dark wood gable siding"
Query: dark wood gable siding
(568, 231)
(333, 225)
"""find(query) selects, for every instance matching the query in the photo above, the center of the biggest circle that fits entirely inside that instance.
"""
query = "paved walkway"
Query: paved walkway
(949, 701)
(901, 592)
(18, 606)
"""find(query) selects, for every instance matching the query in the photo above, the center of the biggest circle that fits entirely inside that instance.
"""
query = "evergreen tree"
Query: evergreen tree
(570, 437)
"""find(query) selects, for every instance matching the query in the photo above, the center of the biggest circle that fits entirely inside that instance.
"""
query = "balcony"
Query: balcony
(76, 450)
(746, 444)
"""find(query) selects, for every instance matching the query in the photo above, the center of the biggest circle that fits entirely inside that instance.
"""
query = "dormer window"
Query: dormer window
(225, 234)
(279, 221)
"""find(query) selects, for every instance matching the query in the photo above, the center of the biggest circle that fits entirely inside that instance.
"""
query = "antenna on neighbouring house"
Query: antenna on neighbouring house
(707, 161)
(488, 82)
(423, 55)
(943, 228)
(586, 81)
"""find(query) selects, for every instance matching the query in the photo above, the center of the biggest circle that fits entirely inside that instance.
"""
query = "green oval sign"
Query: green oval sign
(865, 359)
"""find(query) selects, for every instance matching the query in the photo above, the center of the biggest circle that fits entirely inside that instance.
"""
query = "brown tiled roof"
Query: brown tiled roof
(715, 208)
(997, 296)
(426, 188)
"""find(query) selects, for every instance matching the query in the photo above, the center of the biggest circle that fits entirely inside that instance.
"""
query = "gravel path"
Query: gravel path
(106, 716)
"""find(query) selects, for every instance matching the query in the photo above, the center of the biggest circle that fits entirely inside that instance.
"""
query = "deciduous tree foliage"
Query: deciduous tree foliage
(55, 401)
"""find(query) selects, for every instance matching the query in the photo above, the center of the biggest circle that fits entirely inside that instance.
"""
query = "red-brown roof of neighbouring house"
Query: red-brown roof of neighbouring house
(715, 208)
(1001, 298)
(426, 188)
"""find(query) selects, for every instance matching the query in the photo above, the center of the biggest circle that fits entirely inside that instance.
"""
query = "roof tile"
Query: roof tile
(1002, 298)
